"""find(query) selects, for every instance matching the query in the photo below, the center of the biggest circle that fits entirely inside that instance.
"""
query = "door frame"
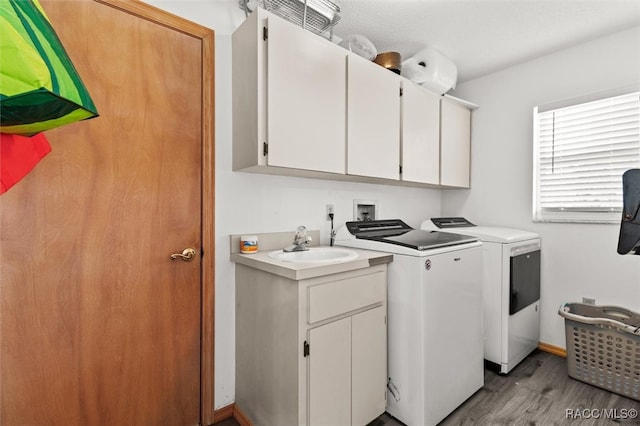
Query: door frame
(207, 272)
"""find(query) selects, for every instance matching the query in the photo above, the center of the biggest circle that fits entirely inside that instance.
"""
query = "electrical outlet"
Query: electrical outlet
(329, 211)
(588, 301)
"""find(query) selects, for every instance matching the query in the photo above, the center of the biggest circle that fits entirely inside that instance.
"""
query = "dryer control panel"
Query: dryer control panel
(450, 222)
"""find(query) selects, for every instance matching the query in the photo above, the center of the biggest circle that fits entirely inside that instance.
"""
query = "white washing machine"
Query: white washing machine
(434, 317)
(511, 289)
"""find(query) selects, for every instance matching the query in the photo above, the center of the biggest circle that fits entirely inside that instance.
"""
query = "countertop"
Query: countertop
(300, 270)
(268, 242)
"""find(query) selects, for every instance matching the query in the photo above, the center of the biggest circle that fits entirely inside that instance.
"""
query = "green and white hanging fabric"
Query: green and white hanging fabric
(40, 88)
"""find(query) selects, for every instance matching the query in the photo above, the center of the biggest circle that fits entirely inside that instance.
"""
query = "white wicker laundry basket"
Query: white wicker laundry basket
(603, 347)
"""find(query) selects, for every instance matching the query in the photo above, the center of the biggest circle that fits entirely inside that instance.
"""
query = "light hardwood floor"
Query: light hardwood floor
(537, 392)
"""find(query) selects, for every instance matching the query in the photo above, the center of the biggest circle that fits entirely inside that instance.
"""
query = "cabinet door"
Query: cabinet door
(306, 89)
(420, 134)
(330, 374)
(455, 144)
(369, 365)
(373, 120)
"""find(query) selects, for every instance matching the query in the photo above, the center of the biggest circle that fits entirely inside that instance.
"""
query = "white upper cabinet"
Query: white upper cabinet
(306, 86)
(455, 144)
(420, 134)
(304, 106)
(373, 120)
(289, 91)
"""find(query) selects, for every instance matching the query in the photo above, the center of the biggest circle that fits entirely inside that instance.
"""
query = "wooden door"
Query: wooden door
(98, 325)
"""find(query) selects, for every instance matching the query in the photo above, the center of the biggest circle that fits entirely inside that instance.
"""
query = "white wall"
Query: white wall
(253, 203)
(577, 259)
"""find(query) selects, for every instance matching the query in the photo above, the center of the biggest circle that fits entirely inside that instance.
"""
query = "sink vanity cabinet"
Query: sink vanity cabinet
(311, 342)
(304, 106)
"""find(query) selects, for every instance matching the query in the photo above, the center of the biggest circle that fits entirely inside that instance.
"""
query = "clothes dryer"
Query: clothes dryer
(511, 289)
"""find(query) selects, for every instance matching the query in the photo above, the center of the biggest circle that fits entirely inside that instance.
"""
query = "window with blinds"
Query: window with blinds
(580, 154)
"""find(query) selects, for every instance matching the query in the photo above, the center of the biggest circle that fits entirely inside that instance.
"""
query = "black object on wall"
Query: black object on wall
(629, 239)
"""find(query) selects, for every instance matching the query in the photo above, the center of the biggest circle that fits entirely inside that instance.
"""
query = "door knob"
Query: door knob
(187, 255)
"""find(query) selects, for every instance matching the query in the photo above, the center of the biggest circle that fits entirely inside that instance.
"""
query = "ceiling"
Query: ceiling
(483, 36)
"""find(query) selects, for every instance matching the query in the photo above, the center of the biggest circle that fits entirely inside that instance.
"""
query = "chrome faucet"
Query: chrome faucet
(300, 240)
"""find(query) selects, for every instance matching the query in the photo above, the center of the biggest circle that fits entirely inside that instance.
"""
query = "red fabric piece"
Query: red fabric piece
(18, 156)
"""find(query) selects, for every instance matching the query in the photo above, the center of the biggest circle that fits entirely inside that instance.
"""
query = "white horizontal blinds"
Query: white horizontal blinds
(583, 151)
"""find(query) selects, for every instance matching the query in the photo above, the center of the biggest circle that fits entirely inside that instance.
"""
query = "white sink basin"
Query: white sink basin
(316, 255)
